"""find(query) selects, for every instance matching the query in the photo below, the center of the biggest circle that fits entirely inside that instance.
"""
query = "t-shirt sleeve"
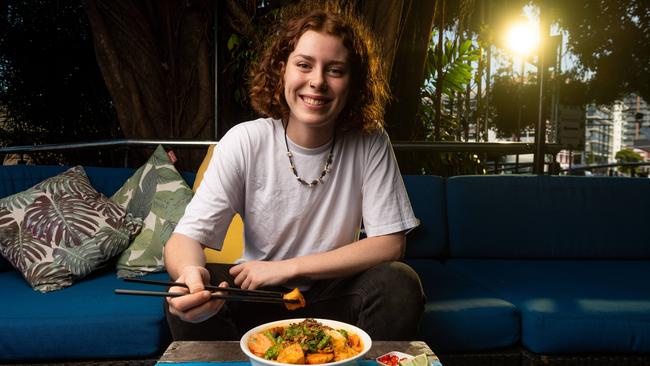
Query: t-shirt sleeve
(220, 194)
(386, 208)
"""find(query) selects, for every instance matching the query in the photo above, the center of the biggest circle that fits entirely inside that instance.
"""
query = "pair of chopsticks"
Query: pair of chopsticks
(236, 294)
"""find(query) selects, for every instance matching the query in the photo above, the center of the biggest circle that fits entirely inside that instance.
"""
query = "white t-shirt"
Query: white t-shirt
(250, 174)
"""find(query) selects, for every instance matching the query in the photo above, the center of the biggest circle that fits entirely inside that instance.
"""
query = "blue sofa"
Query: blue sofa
(517, 270)
(555, 267)
(86, 321)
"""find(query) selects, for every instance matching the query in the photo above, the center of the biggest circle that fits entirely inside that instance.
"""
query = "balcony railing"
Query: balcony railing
(492, 149)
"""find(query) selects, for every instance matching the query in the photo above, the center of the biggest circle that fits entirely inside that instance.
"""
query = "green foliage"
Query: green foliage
(628, 156)
(611, 39)
(243, 50)
(445, 164)
(455, 65)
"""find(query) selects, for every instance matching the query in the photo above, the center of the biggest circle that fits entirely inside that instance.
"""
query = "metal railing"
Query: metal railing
(101, 144)
(582, 168)
(491, 148)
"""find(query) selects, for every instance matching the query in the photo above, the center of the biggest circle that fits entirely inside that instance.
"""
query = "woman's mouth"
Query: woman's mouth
(314, 101)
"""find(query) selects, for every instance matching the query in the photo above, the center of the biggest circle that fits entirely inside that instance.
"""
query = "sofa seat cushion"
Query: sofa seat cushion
(462, 315)
(84, 321)
(570, 306)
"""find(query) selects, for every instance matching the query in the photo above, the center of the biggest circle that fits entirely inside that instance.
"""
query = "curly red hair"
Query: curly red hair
(368, 90)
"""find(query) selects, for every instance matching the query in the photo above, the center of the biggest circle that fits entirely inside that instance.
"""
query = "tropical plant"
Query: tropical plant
(628, 156)
(456, 72)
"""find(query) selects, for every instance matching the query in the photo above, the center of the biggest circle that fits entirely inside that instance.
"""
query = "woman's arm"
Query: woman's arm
(182, 251)
(347, 260)
(185, 262)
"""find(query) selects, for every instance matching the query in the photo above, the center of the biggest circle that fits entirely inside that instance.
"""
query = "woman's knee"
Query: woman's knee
(398, 281)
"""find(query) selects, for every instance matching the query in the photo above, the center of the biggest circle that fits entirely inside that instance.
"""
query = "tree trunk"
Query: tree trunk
(156, 59)
(407, 74)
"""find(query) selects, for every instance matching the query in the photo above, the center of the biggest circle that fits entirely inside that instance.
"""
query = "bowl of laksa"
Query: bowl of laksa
(305, 341)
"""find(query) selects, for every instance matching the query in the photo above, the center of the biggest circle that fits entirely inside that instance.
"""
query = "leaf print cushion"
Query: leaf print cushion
(62, 229)
(158, 194)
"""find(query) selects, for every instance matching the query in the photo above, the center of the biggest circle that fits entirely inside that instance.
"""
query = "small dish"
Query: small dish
(392, 358)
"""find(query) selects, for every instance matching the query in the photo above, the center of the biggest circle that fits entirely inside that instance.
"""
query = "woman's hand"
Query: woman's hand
(255, 274)
(197, 305)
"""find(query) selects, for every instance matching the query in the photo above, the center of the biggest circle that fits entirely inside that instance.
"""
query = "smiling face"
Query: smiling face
(316, 81)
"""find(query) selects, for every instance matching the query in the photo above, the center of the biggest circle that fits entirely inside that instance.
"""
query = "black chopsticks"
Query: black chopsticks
(238, 294)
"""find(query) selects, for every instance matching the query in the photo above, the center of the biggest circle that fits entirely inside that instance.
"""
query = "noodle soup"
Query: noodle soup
(305, 341)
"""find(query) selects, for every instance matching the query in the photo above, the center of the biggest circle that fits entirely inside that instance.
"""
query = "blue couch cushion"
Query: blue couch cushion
(84, 321)
(570, 306)
(557, 216)
(427, 195)
(462, 315)
(17, 178)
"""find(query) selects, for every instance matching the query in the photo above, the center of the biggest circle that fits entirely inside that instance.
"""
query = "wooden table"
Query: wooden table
(204, 351)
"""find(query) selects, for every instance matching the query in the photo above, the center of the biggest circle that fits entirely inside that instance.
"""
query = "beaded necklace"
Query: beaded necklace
(292, 166)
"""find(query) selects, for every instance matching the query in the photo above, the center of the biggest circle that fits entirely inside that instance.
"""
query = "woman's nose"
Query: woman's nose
(318, 81)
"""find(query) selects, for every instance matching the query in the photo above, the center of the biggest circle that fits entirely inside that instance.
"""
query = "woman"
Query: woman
(304, 179)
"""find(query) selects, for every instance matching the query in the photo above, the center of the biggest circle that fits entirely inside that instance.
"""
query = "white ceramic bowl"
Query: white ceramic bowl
(260, 361)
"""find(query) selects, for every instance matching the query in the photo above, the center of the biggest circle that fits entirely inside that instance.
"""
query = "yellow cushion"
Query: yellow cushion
(233, 244)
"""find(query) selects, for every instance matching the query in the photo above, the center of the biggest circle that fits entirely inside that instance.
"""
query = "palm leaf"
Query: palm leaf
(79, 260)
(112, 241)
(61, 218)
(171, 204)
(168, 174)
(19, 200)
(25, 248)
(74, 182)
(46, 276)
(6, 219)
(108, 207)
(167, 230)
(159, 157)
(140, 203)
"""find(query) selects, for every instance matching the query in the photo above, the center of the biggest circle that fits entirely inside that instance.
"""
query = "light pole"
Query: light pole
(522, 39)
(540, 127)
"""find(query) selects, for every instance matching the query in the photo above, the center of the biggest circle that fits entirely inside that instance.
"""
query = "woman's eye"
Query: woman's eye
(336, 72)
(303, 66)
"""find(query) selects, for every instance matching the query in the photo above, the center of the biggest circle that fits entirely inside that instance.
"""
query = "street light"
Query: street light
(522, 38)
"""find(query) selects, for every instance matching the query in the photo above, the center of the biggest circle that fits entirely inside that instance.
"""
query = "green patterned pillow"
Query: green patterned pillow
(62, 229)
(157, 193)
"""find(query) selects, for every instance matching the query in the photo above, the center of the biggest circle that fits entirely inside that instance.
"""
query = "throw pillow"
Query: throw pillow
(233, 244)
(157, 193)
(62, 229)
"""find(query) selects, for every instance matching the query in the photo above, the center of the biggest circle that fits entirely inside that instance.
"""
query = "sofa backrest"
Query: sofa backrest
(17, 178)
(548, 217)
(427, 195)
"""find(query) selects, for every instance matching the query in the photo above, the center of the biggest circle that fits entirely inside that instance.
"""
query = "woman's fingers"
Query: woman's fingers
(194, 307)
(201, 312)
(189, 301)
(252, 275)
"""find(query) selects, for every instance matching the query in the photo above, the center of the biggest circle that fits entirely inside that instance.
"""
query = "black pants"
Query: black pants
(386, 301)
